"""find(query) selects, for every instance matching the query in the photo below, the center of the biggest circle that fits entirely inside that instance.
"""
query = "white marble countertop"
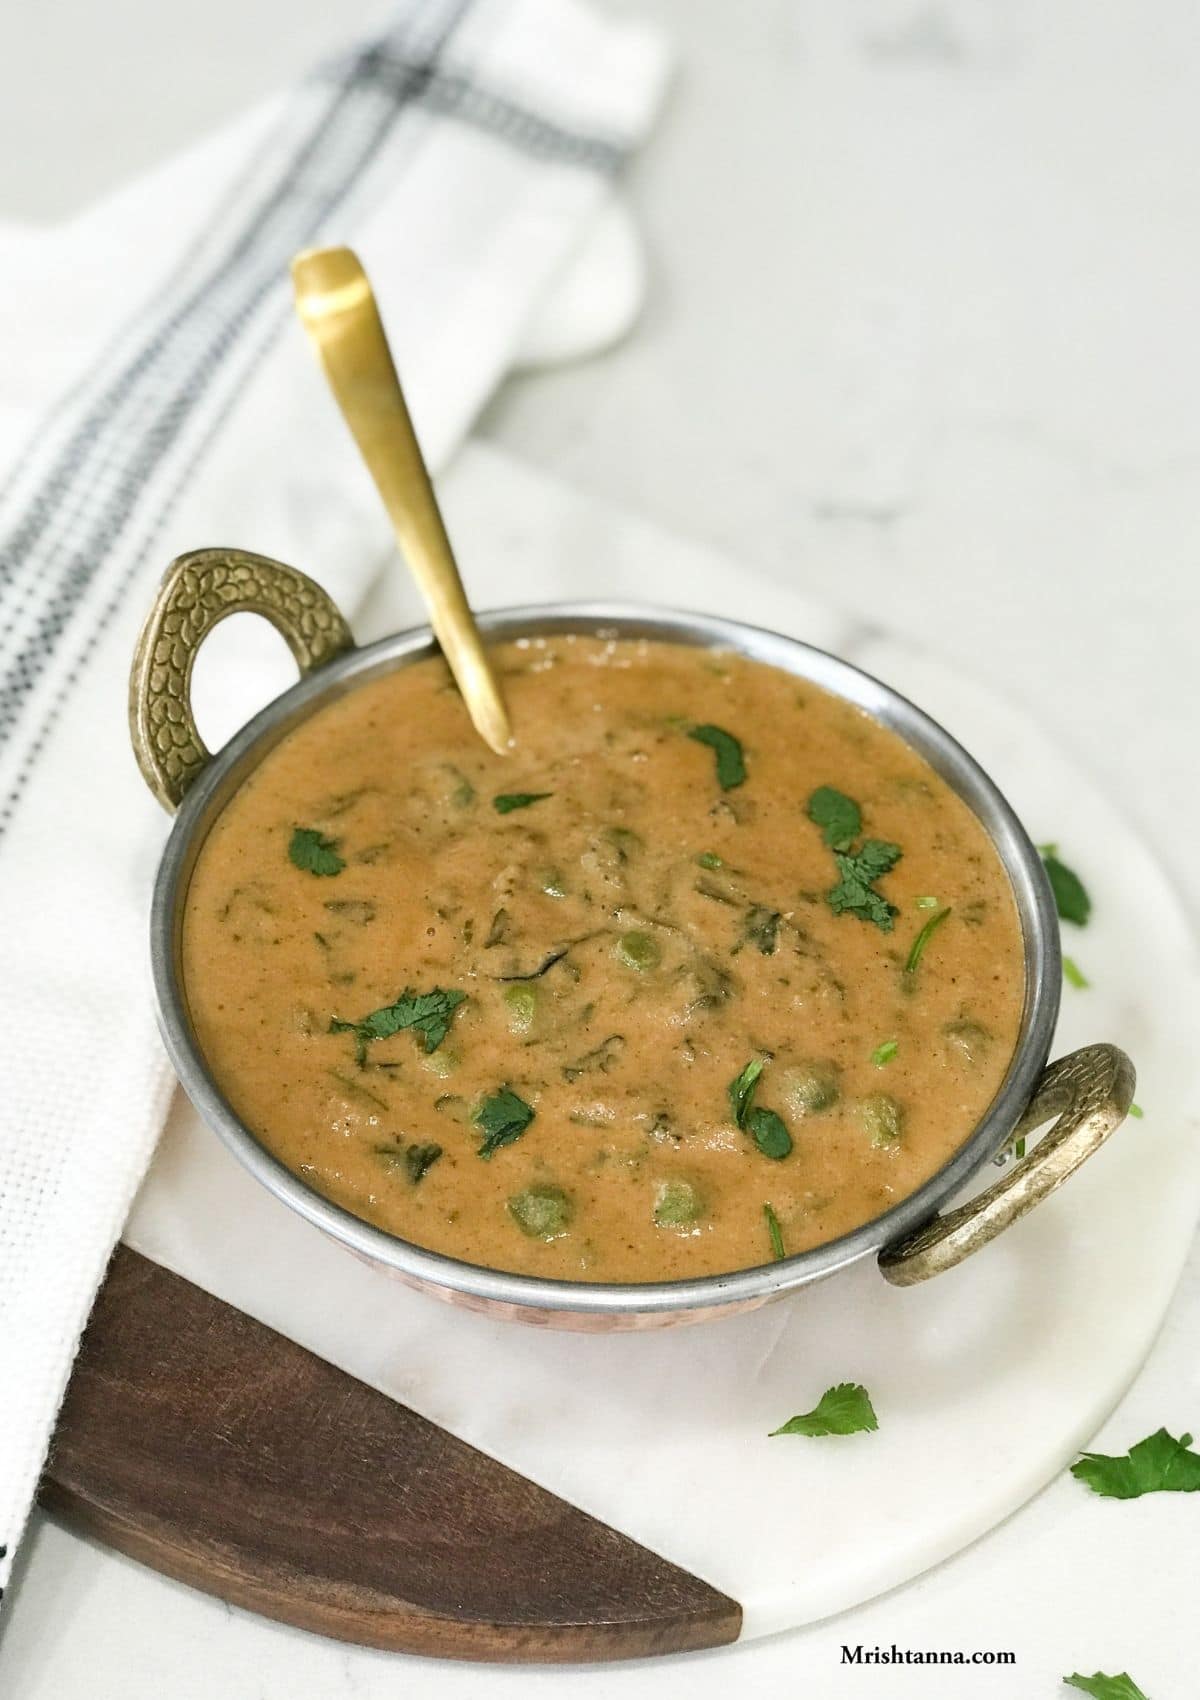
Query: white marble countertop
(920, 338)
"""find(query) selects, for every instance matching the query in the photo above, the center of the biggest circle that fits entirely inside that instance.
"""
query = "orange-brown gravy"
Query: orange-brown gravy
(509, 1032)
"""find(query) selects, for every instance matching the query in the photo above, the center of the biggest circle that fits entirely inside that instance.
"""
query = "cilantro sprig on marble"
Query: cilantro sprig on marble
(1158, 1464)
(428, 1014)
(1073, 903)
(1071, 897)
(844, 1409)
(1101, 1687)
(840, 820)
(1074, 975)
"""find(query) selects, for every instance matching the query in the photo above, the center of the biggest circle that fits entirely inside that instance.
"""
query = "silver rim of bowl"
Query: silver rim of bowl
(1031, 890)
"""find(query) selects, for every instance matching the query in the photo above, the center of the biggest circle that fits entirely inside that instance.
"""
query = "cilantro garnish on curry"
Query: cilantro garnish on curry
(617, 1006)
(312, 851)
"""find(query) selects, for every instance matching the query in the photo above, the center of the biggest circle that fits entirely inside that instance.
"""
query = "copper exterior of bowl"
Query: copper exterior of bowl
(909, 1239)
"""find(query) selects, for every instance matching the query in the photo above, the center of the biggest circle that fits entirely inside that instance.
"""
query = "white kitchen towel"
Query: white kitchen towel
(467, 154)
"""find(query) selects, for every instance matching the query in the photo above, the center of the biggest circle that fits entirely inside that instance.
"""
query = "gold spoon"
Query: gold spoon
(337, 308)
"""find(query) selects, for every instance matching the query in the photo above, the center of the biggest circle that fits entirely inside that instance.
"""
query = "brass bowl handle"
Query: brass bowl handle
(1090, 1092)
(198, 591)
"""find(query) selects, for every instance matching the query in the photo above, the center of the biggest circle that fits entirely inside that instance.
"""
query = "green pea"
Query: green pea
(522, 1004)
(638, 950)
(967, 1039)
(808, 1088)
(543, 1212)
(883, 1118)
(453, 786)
(676, 1204)
(624, 842)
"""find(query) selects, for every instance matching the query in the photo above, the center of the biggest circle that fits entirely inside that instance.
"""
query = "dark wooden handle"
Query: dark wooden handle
(203, 1444)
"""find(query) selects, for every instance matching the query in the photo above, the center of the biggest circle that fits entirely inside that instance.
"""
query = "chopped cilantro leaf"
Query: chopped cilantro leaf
(855, 892)
(507, 801)
(1070, 894)
(543, 967)
(1075, 974)
(709, 859)
(731, 765)
(769, 1132)
(360, 1042)
(840, 821)
(430, 1013)
(884, 1053)
(741, 1090)
(845, 1409)
(922, 939)
(419, 1159)
(774, 1234)
(502, 1118)
(926, 903)
(427, 1013)
(762, 929)
(356, 1089)
(313, 853)
(1158, 1464)
(1136, 1111)
(876, 858)
(1102, 1687)
(837, 815)
(416, 1160)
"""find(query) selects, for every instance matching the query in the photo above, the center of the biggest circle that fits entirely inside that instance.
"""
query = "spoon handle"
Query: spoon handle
(337, 307)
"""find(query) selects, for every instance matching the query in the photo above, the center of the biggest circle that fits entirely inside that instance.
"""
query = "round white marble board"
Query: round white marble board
(987, 1381)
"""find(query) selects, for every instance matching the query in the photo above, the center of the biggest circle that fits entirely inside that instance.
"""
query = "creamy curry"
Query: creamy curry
(710, 969)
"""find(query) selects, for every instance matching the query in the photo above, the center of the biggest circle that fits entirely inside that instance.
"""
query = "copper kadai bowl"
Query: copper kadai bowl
(1088, 1092)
